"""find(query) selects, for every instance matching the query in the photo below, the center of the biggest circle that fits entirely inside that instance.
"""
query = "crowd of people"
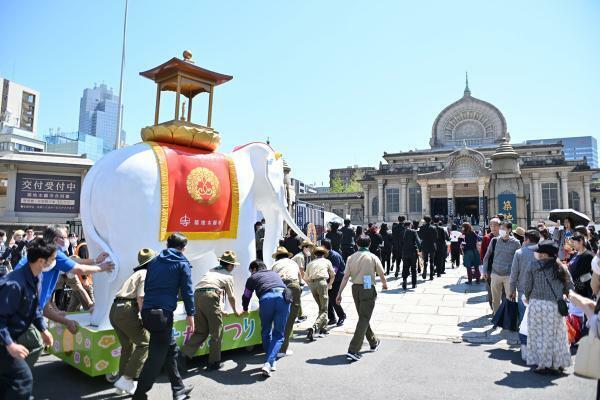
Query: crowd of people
(538, 270)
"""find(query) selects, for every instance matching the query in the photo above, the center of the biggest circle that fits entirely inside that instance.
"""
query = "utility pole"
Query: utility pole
(120, 115)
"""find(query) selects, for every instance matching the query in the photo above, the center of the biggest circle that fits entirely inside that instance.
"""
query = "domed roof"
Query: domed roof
(468, 121)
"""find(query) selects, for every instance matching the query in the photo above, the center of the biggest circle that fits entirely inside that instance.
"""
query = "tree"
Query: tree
(337, 185)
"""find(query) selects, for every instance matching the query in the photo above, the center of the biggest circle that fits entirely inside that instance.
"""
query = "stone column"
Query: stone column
(537, 198)
(450, 190)
(346, 210)
(587, 196)
(481, 188)
(366, 204)
(564, 187)
(403, 197)
(424, 198)
(380, 194)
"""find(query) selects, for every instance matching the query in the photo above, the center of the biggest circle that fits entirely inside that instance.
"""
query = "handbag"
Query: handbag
(563, 308)
(524, 328)
(507, 315)
(587, 360)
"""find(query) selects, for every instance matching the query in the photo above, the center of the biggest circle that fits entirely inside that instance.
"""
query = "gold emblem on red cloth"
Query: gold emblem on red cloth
(203, 185)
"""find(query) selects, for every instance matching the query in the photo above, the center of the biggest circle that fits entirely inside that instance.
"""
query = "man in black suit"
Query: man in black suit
(411, 245)
(441, 248)
(428, 235)
(397, 235)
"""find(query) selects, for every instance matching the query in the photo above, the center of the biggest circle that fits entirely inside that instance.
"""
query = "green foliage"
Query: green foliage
(338, 186)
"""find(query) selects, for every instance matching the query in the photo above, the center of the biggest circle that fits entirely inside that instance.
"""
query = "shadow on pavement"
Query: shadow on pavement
(338, 359)
(506, 355)
(528, 379)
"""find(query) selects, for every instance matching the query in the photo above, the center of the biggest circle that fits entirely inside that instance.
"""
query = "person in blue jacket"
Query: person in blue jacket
(168, 274)
(19, 308)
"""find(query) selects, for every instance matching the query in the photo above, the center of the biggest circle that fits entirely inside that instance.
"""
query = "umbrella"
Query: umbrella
(578, 218)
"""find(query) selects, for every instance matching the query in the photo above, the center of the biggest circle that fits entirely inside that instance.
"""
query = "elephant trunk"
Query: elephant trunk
(274, 218)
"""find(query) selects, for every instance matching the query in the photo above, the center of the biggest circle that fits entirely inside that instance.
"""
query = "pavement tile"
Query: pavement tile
(432, 319)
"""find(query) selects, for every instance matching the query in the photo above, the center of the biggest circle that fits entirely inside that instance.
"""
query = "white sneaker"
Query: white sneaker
(289, 352)
(125, 384)
(133, 387)
(274, 366)
(266, 369)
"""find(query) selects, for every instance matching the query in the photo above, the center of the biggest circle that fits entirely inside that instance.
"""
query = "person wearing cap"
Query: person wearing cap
(361, 269)
(209, 317)
(273, 310)
(319, 276)
(523, 260)
(125, 318)
(546, 282)
(519, 233)
(290, 274)
(302, 258)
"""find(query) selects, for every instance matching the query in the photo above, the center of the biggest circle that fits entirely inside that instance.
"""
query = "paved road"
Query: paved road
(401, 369)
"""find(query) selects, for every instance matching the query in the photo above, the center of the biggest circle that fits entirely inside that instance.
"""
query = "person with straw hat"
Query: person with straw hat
(304, 257)
(319, 276)
(290, 274)
(125, 318)
(209, 316)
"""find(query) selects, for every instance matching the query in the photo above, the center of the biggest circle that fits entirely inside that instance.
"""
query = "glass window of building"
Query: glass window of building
(356, 214)
(392, 200)
(375, 206)
(549, 196)
(574, 201)
(414, 200)
(338, 211)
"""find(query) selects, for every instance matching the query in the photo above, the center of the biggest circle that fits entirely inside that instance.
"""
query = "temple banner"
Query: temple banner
(507, 206)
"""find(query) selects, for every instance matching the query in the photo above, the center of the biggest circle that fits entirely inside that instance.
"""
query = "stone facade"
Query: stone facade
(471, 170)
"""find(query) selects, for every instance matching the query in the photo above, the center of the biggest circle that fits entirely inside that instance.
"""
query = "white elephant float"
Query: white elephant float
(120, 211)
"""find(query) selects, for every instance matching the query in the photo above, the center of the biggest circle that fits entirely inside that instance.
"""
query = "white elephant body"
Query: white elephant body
(120, 210)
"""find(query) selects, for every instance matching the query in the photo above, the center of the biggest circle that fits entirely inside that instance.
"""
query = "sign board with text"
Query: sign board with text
(48, 193)
(507, 206)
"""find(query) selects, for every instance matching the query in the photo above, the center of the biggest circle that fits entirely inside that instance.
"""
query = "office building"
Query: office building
(99, 115)
(575, 148)
(75, 143)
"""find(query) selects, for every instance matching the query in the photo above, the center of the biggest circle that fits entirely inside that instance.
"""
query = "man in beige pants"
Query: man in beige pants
(319, 276)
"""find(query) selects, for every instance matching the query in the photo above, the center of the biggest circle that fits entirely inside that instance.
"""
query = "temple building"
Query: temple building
(470, 170)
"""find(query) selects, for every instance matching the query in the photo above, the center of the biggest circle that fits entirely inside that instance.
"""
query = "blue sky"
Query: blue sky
(332, 83)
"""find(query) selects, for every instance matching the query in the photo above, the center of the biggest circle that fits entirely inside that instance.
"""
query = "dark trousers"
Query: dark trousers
(386, 262)
(397, 261)
(162, 352)
(428, 257)
(409, 267)
(455, 255)
(440, 261)
(334, 308)
(347, 251)
(16, 381)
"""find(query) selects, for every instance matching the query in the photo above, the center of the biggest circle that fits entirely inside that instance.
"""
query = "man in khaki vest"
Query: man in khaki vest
(289, 271)
(319, 276)
(209, 316)
(361, 268)
(302, 259)
(125, 319)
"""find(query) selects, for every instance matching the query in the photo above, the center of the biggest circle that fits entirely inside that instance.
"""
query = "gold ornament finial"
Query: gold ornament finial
(187, 56)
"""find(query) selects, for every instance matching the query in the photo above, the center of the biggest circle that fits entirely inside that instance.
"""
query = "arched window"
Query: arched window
(375, 206)
(574, 201)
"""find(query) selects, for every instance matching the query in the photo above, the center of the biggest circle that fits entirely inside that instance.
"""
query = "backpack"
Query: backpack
(491, 258)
